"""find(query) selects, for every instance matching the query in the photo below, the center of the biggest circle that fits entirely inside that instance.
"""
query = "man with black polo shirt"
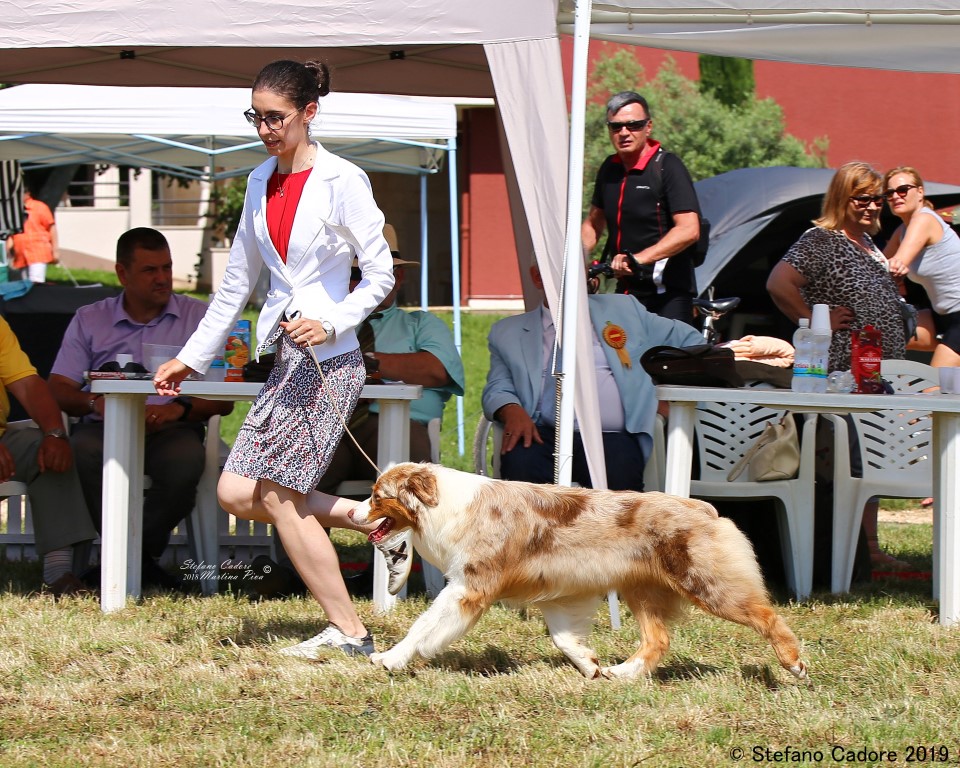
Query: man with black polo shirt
(645, 198)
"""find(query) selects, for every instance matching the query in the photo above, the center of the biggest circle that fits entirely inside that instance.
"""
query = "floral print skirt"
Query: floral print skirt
(294, 426)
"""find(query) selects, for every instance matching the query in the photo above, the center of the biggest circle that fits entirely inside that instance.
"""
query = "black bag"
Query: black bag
(702, 365)
(259, 370)
(697, 251)
(910, 318)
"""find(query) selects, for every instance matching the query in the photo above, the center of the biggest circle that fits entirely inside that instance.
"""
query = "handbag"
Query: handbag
(775, 455)
(702, 365)
(909, 315)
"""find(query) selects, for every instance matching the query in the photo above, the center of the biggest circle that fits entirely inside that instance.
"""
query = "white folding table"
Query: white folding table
(123, 471)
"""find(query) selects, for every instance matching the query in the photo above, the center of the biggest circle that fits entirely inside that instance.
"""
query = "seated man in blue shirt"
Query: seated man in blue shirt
(412, 347)
(521, 391)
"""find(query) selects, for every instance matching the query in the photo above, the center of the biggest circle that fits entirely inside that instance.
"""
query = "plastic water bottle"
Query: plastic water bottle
(802, 357)
(820, 354)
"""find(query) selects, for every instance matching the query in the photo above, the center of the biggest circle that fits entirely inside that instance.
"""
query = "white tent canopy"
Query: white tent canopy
(201, 132)
(919, 36)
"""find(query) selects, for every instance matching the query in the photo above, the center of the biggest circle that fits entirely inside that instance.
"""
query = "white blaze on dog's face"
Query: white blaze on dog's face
(398, 498)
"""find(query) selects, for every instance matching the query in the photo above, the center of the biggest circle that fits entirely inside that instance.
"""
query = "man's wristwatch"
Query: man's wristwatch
(59, 433)
(186, 403)
(372, 364)
(328, 329)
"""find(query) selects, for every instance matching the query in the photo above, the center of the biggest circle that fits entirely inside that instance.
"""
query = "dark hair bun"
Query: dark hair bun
(322, 72)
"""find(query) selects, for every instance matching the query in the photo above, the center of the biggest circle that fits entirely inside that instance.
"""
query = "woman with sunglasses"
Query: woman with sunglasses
(306, 215)
(837, 263)
(927, 251)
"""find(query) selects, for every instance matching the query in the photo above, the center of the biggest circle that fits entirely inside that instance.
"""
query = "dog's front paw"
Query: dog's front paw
(389, 660)
(628, 670)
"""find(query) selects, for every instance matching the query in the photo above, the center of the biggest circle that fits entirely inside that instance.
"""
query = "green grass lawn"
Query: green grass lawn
(187, 681)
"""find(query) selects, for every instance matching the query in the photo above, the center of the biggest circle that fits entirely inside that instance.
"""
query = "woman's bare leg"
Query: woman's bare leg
(299, 520)
(241, 497)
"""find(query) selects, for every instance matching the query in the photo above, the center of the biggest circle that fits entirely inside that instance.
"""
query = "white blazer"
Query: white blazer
(337, 217)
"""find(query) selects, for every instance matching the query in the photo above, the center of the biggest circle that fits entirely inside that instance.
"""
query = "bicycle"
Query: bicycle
(711, 309)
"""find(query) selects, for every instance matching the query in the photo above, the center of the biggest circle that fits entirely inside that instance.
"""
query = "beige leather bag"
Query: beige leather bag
(774, 456)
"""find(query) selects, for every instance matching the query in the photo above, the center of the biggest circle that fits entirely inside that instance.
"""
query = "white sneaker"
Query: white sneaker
(331, 637)
(398, 552)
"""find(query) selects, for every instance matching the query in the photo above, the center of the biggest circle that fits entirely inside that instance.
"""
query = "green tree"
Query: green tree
(729, 79)
(709, 136)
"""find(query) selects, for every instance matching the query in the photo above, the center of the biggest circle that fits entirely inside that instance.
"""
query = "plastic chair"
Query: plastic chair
(19, 537)
(896, 448)
(433, 578)
(724, 432)
(909, 375)
(202, 524)
(488, 440)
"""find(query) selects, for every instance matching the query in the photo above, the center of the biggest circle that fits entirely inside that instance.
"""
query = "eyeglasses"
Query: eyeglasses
(631, 125)
(273, 122)
(862, 201)
(900, 191)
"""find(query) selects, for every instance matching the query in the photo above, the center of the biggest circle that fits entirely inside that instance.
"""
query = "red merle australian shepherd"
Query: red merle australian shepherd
(562, 549)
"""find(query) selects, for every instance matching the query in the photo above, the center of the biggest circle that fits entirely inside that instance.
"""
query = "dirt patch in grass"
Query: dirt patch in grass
(915, 514)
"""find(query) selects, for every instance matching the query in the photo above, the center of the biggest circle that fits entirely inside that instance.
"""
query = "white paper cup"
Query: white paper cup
(949, 380)
(820, 321)
(122, 360)
(155, 355)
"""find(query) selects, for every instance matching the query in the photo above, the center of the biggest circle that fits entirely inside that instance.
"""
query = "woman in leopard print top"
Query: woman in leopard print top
(836, 263)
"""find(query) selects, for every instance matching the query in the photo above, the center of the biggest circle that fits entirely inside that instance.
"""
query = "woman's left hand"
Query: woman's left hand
(897, 268)
(305, 332)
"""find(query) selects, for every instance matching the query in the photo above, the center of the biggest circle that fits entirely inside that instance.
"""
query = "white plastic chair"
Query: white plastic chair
(909, 375)
(432, 577)
(19, 537)
(896, 448)
(488, 439)
(202, 524)
(724, 432)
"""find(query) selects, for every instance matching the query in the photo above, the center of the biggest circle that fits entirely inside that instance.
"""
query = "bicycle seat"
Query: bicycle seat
(719, 306)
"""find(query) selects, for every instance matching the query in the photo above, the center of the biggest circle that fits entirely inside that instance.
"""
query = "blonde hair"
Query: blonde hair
(850, 180)
(908, 171)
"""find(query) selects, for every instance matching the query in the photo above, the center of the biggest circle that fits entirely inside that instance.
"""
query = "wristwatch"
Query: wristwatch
(328, 329)
(372, 365)
(56, 433)
(186, 403)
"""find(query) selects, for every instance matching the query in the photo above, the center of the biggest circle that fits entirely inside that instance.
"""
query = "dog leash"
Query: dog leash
(316, 361)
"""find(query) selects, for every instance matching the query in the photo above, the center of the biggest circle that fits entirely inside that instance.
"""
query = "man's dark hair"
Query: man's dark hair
(139, 237)
(619, 100)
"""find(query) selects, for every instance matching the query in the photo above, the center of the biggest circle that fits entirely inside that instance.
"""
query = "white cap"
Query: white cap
(820, 321)
(122, 360)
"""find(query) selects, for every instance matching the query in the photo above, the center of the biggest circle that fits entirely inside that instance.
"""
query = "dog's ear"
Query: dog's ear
(422, 484)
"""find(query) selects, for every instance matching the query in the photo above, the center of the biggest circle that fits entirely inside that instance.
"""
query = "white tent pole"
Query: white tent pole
(573, 255)
(455, 270)
(424, 234)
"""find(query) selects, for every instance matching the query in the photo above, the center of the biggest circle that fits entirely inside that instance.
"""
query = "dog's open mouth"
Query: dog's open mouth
(381, 531)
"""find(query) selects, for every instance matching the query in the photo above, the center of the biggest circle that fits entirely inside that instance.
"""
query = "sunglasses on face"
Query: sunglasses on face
(900, 191)
(862, 201)
(630, 125)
